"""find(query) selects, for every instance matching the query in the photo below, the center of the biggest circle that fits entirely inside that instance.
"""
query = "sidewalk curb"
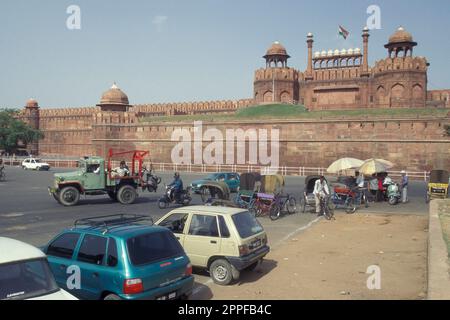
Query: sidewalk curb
(438, 266)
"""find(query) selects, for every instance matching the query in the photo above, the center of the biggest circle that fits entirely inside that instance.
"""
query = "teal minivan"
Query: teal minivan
(120, 257)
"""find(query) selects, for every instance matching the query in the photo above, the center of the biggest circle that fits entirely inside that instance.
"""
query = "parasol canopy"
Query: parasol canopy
(372, 166)
(344, 164)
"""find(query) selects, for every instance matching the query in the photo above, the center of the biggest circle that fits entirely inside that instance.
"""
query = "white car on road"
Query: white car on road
(26, 275)
(35, 164)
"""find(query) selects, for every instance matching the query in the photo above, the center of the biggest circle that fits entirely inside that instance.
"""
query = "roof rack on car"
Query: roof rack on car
(112, 220)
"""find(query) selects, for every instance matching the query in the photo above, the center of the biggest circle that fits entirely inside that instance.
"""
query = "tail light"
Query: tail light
(132, 286)
(243, 250)
(188, 271)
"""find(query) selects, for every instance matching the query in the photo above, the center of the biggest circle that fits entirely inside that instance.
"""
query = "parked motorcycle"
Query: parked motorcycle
(151, 181)
(169, 197)
(393, 193)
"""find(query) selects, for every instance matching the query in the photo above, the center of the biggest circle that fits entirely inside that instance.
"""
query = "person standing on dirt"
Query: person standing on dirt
(320, 189)
(404, 186)
(373, 186)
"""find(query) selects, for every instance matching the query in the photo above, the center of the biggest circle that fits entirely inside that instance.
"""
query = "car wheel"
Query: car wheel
(112, 297)
(221, 272)
(126, 194)
(69, 196)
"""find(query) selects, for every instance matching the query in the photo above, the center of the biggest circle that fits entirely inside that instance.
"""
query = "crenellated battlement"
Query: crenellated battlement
(218, 106)
(67, 112)
(279, 74)
(401, 64)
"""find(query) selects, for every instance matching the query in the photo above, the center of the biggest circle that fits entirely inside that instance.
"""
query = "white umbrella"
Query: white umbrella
(344, 164)
(372, 166)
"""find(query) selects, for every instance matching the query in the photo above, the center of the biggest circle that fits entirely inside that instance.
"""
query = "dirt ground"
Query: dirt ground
(330, 260)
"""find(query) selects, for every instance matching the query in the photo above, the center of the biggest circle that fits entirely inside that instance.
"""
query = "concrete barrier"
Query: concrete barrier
(438, 261)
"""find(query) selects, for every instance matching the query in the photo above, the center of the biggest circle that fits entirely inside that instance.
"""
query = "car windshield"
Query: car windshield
(152, 247)
(246, 224)
(26, 279)
(212, 176)
(37, 160)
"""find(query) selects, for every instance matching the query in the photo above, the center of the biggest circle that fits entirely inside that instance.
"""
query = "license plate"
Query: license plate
(170, 296)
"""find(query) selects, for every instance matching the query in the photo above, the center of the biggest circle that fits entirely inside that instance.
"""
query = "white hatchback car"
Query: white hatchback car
(35, 164)
(26, 275)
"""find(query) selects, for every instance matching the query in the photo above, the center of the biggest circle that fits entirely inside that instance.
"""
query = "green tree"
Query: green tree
(13, 130)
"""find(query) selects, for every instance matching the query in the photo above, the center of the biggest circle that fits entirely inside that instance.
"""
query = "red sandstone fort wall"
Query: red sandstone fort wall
(414, 145)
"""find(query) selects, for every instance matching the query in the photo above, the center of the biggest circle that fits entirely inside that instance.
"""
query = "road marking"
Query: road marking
(16, 228)
(302, 228)
(12, 215)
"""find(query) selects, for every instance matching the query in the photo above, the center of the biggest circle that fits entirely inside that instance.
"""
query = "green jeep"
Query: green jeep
(95, 176)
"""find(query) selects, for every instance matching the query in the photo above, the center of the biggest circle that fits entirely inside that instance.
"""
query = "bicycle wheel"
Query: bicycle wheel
(366, 201)
(274, 212)
(291, 205)
(350, 206)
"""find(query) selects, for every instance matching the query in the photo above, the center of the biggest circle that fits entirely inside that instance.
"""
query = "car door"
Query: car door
(33, 164)
(60, 253)
(202, 239)
(93, 181)
(176, 222)
(91, 260)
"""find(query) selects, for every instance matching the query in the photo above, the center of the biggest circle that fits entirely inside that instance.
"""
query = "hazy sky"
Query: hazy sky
(189, 50)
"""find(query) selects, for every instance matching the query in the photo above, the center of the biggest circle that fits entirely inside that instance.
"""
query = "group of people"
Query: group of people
(376, 186)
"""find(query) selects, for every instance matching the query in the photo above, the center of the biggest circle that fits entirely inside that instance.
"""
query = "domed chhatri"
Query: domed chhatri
(114, 100)
(276, 49)
(400, 36)
(276, 55)
(400, 41)
(32, 103)
(114, 96)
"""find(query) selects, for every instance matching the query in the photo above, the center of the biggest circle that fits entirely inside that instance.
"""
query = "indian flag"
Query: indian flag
(344, 33)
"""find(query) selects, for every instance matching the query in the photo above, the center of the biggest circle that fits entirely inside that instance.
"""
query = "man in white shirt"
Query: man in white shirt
(320, 189)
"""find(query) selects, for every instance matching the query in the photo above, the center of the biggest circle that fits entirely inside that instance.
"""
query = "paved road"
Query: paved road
(28, 213)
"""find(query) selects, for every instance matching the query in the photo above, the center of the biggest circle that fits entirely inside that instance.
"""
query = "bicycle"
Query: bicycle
(261, 205)
(325, 208)
(282, 203)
